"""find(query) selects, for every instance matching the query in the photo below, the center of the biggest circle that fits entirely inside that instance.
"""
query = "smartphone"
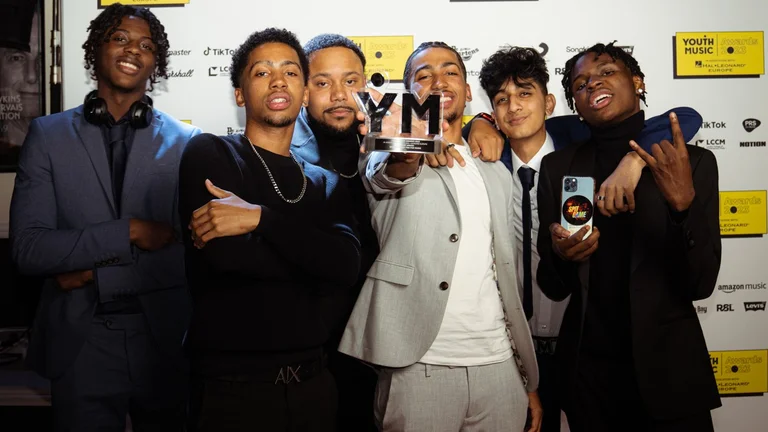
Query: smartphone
(577, 207)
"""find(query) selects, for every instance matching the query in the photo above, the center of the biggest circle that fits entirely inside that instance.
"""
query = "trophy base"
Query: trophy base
(404, 145)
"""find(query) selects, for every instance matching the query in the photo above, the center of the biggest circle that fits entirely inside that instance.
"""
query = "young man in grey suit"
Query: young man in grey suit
(94, 211)
(432, 311)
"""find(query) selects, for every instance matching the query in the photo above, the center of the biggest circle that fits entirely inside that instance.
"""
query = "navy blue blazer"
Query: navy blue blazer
(63, 219)
(566, 130)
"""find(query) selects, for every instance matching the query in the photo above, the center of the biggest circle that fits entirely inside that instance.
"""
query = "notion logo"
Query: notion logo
(754, 306)
(725, 307)
(750, 124)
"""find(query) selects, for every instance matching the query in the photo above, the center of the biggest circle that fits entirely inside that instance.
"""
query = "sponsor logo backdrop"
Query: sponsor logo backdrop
(707, 56)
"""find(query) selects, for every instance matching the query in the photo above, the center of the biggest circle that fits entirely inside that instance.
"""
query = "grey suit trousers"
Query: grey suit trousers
(423, 398)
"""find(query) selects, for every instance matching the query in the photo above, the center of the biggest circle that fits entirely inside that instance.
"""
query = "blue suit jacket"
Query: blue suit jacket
(63, 219)
(566, 130)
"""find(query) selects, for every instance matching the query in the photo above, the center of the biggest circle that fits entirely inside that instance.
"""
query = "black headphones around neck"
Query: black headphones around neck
(96, 112)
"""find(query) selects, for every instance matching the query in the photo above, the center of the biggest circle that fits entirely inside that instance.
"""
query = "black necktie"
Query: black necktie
(526, 179)
(118, 160)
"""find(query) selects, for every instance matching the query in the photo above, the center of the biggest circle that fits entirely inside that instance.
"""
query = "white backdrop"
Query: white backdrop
(201, 29)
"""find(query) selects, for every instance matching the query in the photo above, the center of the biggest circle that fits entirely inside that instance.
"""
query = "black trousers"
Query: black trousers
(356, 384)
(120, 371)
(242, 404)
(548, 392)
(606, 398)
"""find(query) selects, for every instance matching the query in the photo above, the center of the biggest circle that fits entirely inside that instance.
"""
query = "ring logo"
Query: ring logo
(219, 51)
(754, 306)
(727, 307)
(741, 287)
(750, 124)
(218, 71)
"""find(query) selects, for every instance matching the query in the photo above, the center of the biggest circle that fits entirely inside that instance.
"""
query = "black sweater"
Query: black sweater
(267, 293)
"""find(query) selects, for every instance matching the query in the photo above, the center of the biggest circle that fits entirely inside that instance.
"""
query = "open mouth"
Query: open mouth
(600, 100)
(128, 67)
(279, 101)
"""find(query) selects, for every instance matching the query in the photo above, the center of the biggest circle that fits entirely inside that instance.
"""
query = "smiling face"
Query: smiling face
(520, 109)
(127, 60)
(437, 69)
(272, 86)
(604, 90)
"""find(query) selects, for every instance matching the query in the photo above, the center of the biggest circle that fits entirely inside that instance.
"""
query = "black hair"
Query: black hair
(616, 53)
(104, 26)
(259, 38)
(516, 64)
(329, 40)
(425, 46)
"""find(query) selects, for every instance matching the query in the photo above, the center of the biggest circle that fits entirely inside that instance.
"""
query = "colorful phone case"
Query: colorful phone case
(577, 208)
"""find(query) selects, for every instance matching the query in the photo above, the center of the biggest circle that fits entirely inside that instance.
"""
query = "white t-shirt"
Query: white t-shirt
(472, 332)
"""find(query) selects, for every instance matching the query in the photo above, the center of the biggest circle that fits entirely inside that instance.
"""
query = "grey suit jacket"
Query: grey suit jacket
(63, 219)
(401, 306)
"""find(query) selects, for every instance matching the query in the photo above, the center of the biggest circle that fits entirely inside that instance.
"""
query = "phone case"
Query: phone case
(577, 208)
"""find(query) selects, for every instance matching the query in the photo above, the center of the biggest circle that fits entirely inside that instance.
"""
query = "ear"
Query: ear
(239, 98)
(469, 93)
(305, 99)
(549, 103)
(639, 83)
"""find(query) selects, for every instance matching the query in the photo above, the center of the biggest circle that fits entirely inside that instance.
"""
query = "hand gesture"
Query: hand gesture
(671, 168)
(227, 215)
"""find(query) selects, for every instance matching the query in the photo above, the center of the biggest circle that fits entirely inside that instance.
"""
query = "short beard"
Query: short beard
(322, 128)
(452, 117)
(279, 122)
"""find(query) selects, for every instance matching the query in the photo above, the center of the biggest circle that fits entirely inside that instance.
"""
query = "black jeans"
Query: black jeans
(242, 404)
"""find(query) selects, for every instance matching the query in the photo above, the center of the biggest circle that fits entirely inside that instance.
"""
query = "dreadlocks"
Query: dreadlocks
(615, 52)
(104, 25)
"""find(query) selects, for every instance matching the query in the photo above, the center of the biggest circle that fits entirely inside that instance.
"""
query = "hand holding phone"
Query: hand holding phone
(577, 208)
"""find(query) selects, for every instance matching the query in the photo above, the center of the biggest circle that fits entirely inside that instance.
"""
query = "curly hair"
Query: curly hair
(104, 26)
(516, 64)
(425, 46)
(257, 39)
(615, 52)
(330, 40)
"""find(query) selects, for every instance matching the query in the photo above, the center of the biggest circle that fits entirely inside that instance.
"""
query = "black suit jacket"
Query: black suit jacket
(672, 264)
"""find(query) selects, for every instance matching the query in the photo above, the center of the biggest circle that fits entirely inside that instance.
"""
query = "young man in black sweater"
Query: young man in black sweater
(270, 249)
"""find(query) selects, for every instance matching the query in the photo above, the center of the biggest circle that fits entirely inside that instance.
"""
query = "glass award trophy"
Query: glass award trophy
(400, 121)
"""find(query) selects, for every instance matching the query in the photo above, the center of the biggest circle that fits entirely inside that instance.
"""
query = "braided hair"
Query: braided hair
(615, 52)
(103, 27)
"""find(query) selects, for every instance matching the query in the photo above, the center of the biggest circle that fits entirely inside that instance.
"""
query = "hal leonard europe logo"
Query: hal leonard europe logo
(754, 306)
(750, 124)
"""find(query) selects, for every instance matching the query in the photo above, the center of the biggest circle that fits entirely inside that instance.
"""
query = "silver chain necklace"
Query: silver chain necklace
(346, 176)
(272, 178)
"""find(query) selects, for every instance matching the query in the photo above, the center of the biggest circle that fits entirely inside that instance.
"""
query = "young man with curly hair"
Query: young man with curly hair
(94, 211)
(271, 252)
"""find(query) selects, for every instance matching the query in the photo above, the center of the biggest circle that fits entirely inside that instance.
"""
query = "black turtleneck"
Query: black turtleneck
(607, 334)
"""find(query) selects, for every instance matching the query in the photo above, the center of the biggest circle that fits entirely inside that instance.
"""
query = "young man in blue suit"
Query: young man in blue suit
(94, 211)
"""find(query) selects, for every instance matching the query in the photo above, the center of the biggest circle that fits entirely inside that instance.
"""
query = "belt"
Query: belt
(283, 374)
(545, 345)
